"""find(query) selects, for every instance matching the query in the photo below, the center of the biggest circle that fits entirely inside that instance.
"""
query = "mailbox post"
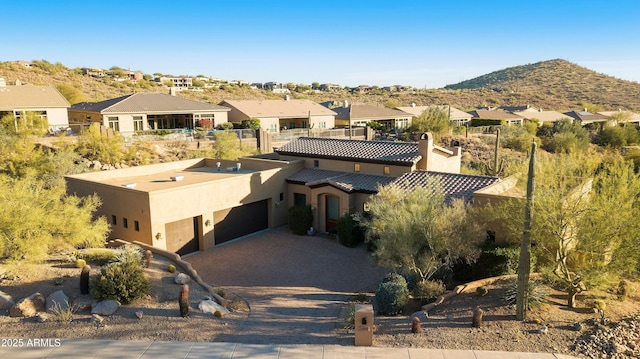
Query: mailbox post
(364, 325)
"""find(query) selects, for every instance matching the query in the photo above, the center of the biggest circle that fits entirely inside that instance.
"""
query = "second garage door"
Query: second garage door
(240, 221)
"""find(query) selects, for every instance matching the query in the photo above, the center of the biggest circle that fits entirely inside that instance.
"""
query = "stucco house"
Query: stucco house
(350, 115)
(542, 116)
(197, 204)
(147, 111)
(628, 117)
(585, 117)
(45, 101)
(457, 117)
(508, 118)
(276, 115)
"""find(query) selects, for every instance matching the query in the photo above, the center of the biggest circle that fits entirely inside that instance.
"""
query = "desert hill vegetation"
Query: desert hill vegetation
(552, 85)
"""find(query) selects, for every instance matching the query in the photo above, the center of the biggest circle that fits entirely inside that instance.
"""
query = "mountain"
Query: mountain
(558, 79)
(552, 85)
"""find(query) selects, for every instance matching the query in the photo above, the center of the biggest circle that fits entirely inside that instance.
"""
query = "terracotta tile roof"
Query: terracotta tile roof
(368, 112)
(345, 181)
(278, 108)
(30, 96)
(400, 153)
(454, 185)
(150, 103)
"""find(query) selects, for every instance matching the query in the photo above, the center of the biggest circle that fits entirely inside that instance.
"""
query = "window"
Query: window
(136, 226)
(114, 219)
(137, 123)
(273, 127)
(299, 199)
(114, 124)
(386, 170)
(316, 163)
(281, 196)
(125, 223)
(322, 124)
(356, 167)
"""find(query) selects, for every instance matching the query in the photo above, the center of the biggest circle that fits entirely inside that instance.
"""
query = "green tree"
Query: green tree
(315, 85)
(565, 136)
(434, 119)
(392, 103)
(227, 146)
(616, 136)
(94, 145)
(71, 93)
(28, 123)
(252, 123)
(418, 231)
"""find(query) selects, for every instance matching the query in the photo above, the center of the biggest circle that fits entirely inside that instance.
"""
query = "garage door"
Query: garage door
(240, 221)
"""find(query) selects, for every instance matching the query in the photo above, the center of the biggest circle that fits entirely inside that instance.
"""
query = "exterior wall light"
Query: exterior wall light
(158, 236)
(207, 222)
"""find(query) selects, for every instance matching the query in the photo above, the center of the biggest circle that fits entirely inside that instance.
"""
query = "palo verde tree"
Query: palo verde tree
(419, 231)
(434, 119)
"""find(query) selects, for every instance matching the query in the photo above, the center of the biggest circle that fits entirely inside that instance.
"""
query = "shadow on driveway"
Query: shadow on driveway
(296, 286)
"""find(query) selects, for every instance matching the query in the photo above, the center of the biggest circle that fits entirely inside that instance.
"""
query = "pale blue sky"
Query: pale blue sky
(423, 43)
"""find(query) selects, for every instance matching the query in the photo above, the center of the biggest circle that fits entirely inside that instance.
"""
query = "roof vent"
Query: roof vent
(129, 185)
(177, 178)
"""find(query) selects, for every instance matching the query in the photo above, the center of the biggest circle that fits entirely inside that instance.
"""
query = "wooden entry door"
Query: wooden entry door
(333, 212)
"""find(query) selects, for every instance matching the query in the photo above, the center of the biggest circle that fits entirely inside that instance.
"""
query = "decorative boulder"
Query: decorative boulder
(209, 306)
(105, 307)
(57, 301)
(28, 307)
(6, 301)
(182, 278)
(84, 302)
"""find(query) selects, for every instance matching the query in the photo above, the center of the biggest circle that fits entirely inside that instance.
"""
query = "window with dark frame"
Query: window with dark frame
(114, 219)
(136, 226)
(281, 196)
(125, 223)
(316, 163)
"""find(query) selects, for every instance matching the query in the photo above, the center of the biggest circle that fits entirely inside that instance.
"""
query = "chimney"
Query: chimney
(287, 98)
(425, 147)
(346, 103)
(585, 110)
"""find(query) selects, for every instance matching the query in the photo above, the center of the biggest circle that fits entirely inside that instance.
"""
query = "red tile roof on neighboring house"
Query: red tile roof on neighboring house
(454, 185)
(346, 181)
(400, 153)
(153, 103)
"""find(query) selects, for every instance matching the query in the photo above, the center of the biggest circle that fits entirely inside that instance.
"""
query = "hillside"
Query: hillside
(558, 79)
(553, 85)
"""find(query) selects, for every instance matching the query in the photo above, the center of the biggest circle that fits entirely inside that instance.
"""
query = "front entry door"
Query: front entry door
(333, 212)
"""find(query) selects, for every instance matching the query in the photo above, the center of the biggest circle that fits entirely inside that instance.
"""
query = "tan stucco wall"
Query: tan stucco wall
(329, 120)
(157, 208)
(57, 117)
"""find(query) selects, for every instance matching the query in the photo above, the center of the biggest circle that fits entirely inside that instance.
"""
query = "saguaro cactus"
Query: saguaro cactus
(183, 300)
(84, 279)
(476, 321)
(416, 325)
(495, 168)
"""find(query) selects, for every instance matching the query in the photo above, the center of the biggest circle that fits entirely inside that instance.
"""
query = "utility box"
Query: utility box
(364, 324)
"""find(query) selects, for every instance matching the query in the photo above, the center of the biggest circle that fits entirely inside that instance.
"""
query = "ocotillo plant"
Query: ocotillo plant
(183, 300)
(495, 168)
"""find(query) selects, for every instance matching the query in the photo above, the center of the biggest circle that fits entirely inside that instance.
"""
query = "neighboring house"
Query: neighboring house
(508, 118)
(351, 115)
(542, 116)
(45, 101)
(585, 117)
(181, 82)
(275, 115)
(147, 111)
(633, 117)
(330, 87)
(457, 117)
(93, 72)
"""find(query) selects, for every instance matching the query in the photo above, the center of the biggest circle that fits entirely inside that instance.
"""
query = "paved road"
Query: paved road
(295, 285)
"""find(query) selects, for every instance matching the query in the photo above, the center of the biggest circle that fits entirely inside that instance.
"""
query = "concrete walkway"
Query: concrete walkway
(107, 349)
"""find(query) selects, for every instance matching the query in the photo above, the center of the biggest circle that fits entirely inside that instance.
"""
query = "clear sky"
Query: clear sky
(423, 43)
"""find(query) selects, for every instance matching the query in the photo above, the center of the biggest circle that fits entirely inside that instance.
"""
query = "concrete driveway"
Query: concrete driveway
(295, 285)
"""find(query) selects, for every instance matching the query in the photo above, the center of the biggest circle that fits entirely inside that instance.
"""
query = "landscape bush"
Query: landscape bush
(427, 291)
(123, 280)
(300, 219)
(349, 233)
(392, 295)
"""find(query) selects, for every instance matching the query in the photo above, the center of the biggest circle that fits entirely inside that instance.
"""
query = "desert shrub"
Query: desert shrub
(445, 276)
(536, 296)
(300, 219)
(80, 263)
(171, 268)
(392, 295)
(349, 233)
(427, 291)
(218, 314)
(481, 291)
(349, 321)
(122, 280)
(63, 313)
(616, 136)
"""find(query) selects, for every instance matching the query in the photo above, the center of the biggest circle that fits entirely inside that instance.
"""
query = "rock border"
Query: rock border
(186, 266)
